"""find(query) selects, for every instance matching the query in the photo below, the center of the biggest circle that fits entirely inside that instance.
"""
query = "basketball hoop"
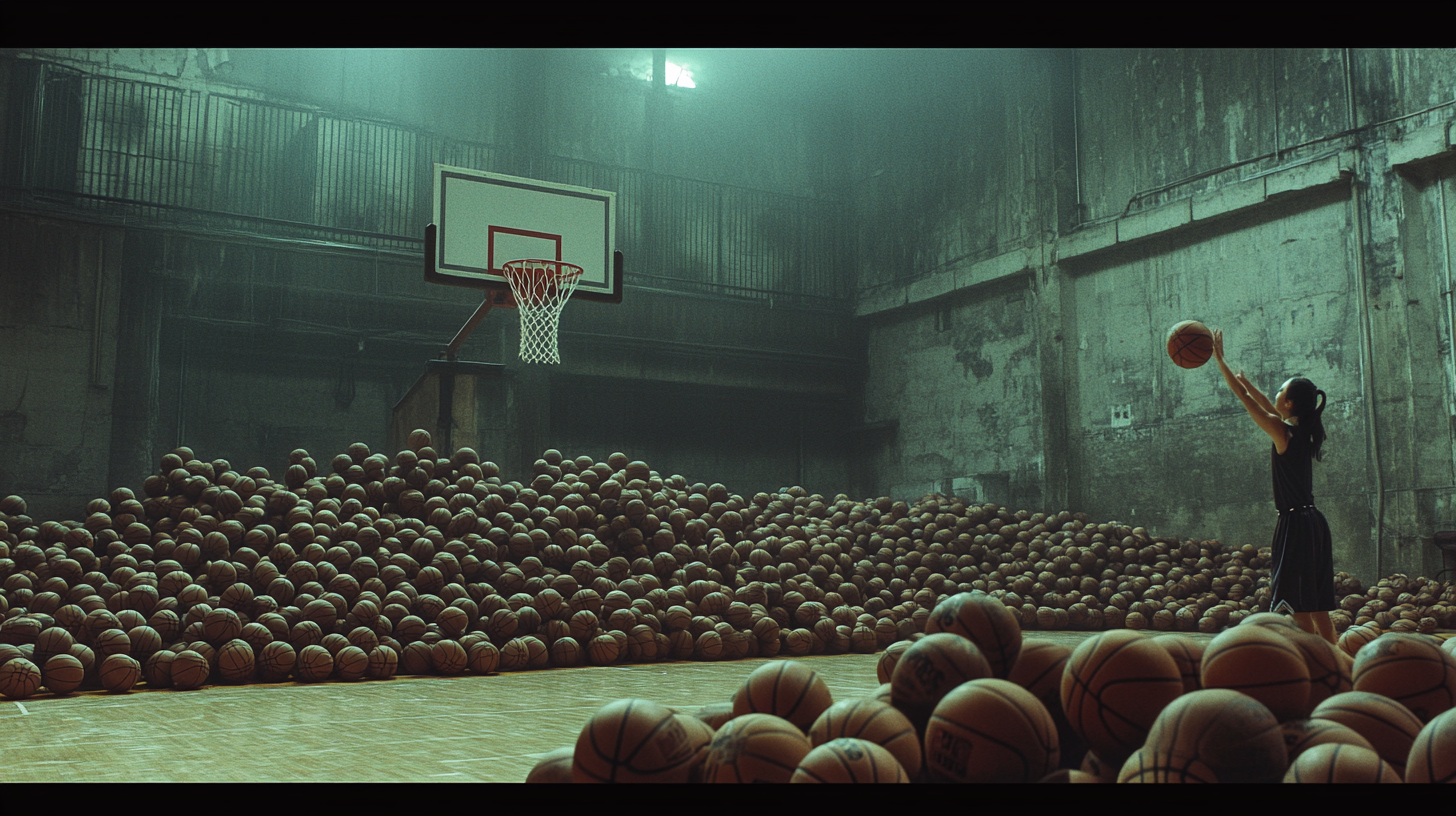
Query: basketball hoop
(541, 288)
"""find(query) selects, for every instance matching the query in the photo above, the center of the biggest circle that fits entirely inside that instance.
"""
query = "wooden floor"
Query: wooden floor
(410, 729)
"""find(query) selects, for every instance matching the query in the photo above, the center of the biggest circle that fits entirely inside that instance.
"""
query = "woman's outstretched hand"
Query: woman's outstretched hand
(1218, 344)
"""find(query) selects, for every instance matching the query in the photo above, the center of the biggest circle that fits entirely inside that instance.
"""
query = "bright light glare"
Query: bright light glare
(679, 76)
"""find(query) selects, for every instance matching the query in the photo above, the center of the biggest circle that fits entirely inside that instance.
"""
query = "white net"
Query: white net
(541, 288)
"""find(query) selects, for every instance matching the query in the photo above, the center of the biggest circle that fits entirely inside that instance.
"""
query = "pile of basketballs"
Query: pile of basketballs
(970, 700)
(419, 563)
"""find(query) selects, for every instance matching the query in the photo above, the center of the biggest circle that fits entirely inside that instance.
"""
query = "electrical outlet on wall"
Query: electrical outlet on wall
(1121, 416)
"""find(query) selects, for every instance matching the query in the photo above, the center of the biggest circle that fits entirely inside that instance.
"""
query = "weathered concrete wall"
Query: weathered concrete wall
(1172, 449)
(1150, 117)
(1265, 192)
(59, 297)
(1030, 223)
(750, 440)
(245, 349)
(962, 381)
(955, 166)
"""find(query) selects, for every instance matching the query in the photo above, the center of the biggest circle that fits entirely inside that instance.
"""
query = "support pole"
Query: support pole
(452, 350)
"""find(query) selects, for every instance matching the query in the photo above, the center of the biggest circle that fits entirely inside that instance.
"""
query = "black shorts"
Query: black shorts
(1302, 574)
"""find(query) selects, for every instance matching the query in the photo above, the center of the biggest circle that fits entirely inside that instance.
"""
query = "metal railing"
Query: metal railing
(136, 148)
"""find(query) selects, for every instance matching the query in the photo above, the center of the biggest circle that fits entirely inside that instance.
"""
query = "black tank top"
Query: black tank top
(1293, 472)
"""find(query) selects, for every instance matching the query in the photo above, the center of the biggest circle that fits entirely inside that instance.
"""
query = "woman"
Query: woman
(1303, 573)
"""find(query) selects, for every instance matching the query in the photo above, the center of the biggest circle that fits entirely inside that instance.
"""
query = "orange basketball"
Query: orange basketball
(1039, 670)
(755, 748)
(537, 656)
(565, 652)
(990, 730)
(52, 641)
(275, 661)
(885, 666)
(235, 661)
(1329, 668)
(416, 658)
(482, 657)
(700, 734)
(633, 740)
(603, 650)
(119, 672)
(514, 655)
(1333, 762)
(19, 678)
(1355, 638)
(1188, 654)
(1432, 756)
(554, 767)
(1410, 669)
(63, 674)
(1389, 726)
(221, 625)
(448, 657)
(849, 760)
(383, 663)
(929, 670)
(784, 688)
(709, 646)
(452, 621)
(1301, 735)
(1113, 689)
(1190, 344)
(314, 664)
(1261, 664)
(351, 663)
(1281, 624)
(1232, 734)
(190, 670)
(986, 621)
(874, 720)
(1150, 764)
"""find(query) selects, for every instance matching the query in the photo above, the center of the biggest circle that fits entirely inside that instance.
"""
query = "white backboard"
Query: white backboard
(484, 220)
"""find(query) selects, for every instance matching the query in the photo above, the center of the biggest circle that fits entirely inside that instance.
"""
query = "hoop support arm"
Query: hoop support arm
(480, 312)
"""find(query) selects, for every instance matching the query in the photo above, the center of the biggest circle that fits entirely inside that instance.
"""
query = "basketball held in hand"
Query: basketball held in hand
(1190, 344)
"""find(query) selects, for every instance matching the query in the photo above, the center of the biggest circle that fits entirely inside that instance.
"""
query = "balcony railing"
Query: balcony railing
(135, 148)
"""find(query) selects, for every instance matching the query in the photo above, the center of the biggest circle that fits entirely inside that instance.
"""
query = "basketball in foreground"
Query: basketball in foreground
(990, 731)
(1113, 689)
(634, 741)
(849, 760)
(1340, 764)
(784, 689)
(755, 748)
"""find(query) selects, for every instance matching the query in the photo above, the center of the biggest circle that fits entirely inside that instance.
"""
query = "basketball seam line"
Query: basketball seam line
(1025, 764)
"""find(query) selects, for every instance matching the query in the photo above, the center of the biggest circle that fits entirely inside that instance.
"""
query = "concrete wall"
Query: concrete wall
(245, 348)
(1172, 449)
(1029, 225)
(59, 301)
(1264, 192)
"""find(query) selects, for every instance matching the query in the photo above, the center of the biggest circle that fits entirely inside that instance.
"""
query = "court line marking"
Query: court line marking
(21, 707)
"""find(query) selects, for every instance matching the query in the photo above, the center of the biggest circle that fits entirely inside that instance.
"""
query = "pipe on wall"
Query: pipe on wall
(1367, 364)
(1443, 215)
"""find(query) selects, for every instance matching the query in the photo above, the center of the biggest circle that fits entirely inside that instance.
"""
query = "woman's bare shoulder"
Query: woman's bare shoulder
(1283, 445)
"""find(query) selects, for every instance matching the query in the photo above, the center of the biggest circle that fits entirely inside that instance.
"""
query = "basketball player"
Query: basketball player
(1302, 574)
